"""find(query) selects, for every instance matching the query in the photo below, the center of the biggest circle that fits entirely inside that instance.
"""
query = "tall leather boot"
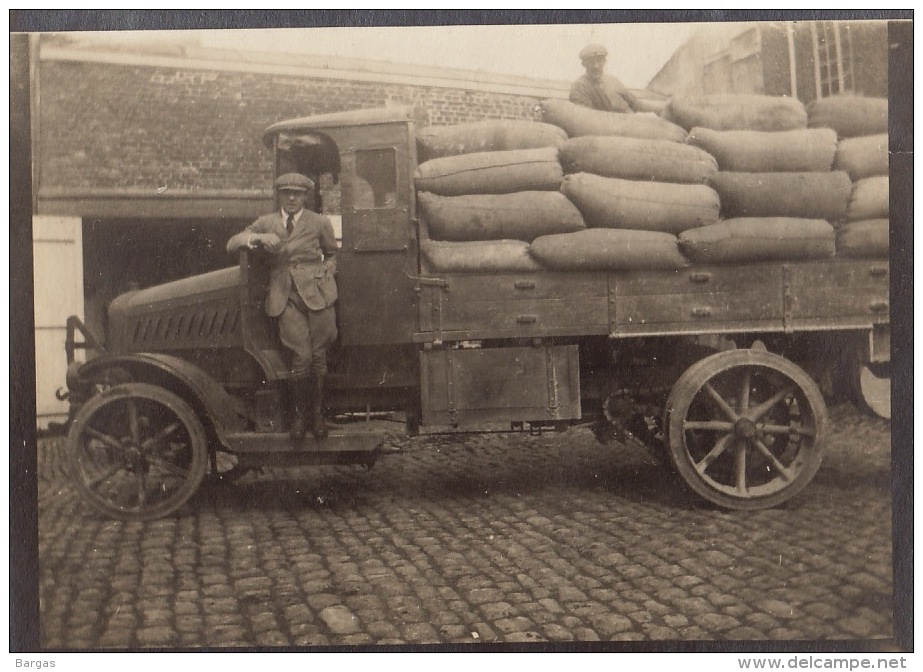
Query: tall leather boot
(300, 391)
(320, 425)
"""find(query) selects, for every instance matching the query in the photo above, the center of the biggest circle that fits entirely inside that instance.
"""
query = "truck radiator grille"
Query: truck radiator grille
(200, 327)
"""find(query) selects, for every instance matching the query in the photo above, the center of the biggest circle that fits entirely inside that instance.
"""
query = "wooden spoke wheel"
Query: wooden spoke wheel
(746, 429)
(137, 452)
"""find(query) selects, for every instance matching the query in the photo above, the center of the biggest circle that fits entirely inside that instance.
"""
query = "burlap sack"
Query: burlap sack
(869, 199)
(635, 159)
(850, 116)
(737, 112)
(804, 150)
(608, 250)
(610, 203)
(804, 195)
(655, 105)
(868, 238)
(759, 239)
(491, 172)
(492, 135)
(487, 256)
(525, 215)
(864, 156)
(577, 120)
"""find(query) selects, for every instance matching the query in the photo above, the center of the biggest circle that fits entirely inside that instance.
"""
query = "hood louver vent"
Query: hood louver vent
(206, 327)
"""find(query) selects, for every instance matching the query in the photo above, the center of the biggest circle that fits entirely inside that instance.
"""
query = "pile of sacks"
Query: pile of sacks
(861, 125)
(718, 179)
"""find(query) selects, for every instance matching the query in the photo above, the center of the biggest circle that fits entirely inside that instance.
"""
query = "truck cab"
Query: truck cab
(388, 348)
(371, 155)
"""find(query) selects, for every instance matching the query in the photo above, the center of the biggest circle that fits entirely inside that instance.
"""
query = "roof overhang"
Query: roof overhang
(321, 122)
(148, 203)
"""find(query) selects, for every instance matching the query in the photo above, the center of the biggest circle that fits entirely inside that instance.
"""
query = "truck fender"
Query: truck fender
(216, 408)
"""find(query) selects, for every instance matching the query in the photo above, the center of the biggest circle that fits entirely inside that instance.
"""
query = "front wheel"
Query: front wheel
(137, 452)
(746, 429)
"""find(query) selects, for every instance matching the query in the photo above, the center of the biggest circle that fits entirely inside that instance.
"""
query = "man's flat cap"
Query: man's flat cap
(592, 50)
(293, 182)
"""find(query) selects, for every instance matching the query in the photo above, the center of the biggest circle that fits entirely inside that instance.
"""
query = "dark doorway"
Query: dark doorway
(122, 254)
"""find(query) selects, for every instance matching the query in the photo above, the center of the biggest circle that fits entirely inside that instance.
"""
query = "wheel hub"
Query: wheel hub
(745, 428)
(133, 458)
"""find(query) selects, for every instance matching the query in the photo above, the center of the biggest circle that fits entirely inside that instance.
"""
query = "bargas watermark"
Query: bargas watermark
(23, 662)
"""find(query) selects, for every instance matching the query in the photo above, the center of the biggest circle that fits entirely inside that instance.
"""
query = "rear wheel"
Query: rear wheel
(137, 452)
(872, 389)
(868, 384)
(746, 429)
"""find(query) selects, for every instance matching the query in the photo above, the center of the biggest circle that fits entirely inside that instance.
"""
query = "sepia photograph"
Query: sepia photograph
(556, 335)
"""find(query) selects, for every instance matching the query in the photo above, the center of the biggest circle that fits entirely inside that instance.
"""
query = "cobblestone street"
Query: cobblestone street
(484, 538)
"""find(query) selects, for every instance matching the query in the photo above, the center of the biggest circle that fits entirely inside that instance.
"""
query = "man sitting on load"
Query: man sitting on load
(597, 90)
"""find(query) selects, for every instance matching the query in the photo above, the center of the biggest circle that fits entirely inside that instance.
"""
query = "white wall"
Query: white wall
(58, 280)
(337, 222)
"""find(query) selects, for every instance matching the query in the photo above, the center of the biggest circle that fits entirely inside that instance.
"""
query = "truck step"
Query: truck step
(360, 442)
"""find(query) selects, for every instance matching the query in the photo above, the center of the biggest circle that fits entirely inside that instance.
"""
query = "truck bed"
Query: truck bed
(835, 294)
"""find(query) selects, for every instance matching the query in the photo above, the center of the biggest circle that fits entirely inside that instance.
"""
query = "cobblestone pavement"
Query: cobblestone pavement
(486, 538)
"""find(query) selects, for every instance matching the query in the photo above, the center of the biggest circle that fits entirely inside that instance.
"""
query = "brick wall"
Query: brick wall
(117, 126)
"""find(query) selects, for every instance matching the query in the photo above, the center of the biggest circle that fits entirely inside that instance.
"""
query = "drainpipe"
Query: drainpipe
(816, 45)
(839, 56)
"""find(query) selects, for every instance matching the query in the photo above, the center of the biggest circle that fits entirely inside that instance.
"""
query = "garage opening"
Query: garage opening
(124, 254)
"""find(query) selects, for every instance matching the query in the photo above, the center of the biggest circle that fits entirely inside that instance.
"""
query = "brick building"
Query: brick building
(147, 158)
(804, 59)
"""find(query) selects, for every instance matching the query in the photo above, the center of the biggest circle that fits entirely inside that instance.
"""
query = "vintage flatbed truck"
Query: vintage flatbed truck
(706, 366)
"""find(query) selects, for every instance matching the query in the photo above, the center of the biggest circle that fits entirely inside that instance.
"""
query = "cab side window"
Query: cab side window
(376, 179)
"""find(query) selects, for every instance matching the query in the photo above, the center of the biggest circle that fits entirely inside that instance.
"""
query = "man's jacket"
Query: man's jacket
(608, 95)
(299, 262)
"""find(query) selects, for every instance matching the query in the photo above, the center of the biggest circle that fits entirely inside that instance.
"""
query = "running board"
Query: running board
(355, 443)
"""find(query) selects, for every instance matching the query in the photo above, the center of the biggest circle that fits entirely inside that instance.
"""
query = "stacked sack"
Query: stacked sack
(636, 184)
(861, 125)
(778, 190)
(715, 179)
(486, 190)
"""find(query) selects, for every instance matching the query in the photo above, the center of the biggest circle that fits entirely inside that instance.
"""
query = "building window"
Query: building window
(833, 57)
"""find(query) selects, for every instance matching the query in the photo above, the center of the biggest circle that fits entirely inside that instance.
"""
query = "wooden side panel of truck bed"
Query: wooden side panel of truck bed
(762, 297)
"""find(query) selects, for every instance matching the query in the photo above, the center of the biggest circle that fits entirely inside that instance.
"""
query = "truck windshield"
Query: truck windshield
(314, 155)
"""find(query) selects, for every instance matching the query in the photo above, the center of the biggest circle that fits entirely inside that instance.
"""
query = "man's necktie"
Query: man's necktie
(290, 224)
